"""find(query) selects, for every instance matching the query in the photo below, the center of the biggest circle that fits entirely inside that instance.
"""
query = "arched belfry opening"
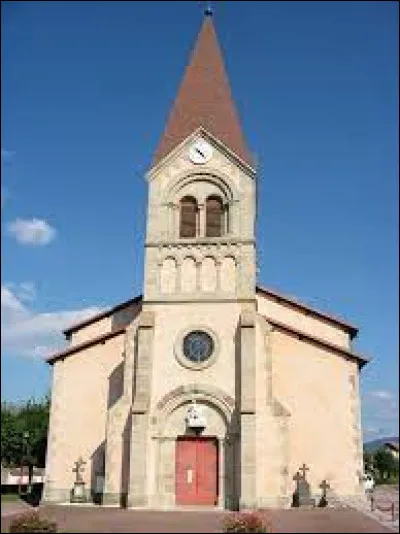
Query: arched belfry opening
(214, 217)
(188, 222)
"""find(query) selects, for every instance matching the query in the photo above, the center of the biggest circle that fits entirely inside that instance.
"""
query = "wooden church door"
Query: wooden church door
(196, 471)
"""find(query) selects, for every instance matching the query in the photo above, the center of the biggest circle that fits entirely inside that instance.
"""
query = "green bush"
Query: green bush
(246, 522)
(32, 522)
(393, 481)
(386, 464)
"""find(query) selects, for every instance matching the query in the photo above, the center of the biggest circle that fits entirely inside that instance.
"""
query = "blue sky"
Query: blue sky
(86, 89)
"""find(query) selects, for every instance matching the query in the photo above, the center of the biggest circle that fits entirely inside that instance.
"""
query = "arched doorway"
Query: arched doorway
(196, 468)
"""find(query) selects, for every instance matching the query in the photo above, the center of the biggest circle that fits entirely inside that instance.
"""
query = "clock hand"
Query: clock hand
(200, 152)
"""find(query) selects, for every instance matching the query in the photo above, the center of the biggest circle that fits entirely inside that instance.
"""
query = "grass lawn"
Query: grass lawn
(9, 497)
(387, 481)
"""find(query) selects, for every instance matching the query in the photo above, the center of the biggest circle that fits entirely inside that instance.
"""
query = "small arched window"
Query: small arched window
(214, 217)
(188, 217)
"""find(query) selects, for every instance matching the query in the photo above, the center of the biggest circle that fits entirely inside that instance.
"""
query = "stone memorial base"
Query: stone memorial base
(78, 493)
(307, 502)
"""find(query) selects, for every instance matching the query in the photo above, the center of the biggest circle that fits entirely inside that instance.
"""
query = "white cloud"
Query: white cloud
(6, 155)
(10, 302)
(380, 414)
(27, 291)
(381, 394)
(32, 232)
(24, 291)
(27, 333)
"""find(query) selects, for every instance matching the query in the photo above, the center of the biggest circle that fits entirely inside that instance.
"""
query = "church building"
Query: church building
(208, 389)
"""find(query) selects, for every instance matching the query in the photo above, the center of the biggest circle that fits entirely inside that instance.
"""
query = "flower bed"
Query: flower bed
(32, 522)
(247, 522)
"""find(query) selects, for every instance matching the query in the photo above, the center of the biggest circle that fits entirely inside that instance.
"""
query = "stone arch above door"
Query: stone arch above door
(203, 393)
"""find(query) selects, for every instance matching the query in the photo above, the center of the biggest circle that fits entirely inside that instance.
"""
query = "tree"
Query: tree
(368, 461)
(385, 463)
(11, 444)
(24, 429)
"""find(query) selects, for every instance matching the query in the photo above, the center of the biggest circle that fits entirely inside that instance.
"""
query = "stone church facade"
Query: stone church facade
(207, 389)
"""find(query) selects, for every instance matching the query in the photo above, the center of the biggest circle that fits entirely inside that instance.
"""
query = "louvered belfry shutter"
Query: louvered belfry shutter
(188, 217)
(213, 217)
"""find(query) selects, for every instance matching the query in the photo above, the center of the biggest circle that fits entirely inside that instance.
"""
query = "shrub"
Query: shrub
(246, 522)
(32, 522)
(386, 464)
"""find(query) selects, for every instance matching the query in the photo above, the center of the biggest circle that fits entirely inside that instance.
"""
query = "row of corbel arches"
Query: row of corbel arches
(193, 275)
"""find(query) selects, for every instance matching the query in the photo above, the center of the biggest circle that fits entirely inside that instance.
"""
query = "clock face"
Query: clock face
(200, 152)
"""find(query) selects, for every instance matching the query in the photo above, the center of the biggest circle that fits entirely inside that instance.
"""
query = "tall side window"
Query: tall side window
(214, 217)
(188, 217)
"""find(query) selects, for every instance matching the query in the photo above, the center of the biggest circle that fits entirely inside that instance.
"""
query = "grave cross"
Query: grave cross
(324, 486)
(77, 469)
(297, 477)
(304, 468)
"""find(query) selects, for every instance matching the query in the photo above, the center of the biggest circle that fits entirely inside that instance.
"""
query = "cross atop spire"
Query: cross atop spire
(208, 10)
(204, 99)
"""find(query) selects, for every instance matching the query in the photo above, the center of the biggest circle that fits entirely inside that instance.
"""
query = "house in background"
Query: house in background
(14, 476)
(393, 447)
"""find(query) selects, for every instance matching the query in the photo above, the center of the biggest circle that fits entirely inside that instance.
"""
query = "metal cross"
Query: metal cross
(324, 486)
(304, 468)
(208, 10)
(77, 469)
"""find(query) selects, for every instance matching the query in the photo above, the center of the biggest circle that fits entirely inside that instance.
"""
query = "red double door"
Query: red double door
(197, 471)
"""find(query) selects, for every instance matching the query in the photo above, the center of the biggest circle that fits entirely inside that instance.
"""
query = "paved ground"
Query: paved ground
(96, 519)
(384, 496)
(11, 508)
(324, 520)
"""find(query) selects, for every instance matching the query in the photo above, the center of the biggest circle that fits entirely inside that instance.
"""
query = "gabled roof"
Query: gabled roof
(85, 345)
(94, 318)
(300, 334)
(204, 99)
(279, 297)
(352, 330)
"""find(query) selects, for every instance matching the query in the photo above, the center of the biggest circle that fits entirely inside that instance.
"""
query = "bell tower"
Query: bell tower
(200, 242)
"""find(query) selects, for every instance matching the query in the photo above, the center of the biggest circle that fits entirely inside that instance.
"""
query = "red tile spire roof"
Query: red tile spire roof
(204, 99)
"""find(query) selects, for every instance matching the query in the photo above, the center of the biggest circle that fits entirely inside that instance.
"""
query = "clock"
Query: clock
(200, 152)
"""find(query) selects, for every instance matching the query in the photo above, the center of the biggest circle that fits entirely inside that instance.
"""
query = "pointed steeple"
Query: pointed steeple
(204, 99)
